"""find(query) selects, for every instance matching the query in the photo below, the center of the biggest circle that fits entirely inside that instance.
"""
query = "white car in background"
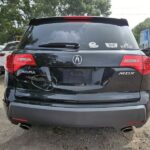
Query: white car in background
(1, 47)
(6, 50)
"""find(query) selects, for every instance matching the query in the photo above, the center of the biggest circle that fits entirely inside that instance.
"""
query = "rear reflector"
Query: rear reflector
(139, 63)
(135, 123)
(19, 120)
(16, 61)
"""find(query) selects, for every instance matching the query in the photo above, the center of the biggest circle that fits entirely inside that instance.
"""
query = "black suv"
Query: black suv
(78, 71)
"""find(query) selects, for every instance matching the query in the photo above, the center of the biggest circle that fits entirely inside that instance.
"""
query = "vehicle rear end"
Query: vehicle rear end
(78, 71)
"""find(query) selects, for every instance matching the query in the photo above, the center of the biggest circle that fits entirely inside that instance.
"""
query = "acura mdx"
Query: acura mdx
(78, 71)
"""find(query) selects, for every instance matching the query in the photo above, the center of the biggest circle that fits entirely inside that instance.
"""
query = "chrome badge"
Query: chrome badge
(77, 59)
(126, 73)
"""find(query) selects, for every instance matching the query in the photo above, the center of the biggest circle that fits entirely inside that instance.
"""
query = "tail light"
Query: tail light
(146, 65)
(16, 61)
(139, 63)
(77, 18)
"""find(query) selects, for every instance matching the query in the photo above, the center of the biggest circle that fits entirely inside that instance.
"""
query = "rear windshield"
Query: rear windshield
(90, 36)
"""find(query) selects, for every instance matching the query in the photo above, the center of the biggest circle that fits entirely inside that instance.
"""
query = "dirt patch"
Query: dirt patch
(54, 138)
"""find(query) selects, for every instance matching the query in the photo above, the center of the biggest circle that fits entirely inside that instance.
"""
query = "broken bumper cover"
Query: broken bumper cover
(117, 117)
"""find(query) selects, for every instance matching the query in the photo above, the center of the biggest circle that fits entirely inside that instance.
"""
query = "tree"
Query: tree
(11, 21)
(141, 26)
(72, 7)
(14, 15)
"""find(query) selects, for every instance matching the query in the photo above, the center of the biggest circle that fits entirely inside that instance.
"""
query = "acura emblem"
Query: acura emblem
(77, 59)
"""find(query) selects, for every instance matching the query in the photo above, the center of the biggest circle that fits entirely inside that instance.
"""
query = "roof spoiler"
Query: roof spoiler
(119, 22)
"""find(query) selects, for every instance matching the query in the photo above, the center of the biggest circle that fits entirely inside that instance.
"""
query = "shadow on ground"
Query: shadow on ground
(56, 138)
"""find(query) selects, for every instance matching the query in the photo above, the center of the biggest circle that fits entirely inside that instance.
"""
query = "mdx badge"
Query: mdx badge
(77, 59)
(126, 73)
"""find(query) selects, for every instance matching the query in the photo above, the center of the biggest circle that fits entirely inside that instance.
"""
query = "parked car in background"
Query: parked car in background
(1, 47)
(6, 50)
(78, 71)
(1, 68)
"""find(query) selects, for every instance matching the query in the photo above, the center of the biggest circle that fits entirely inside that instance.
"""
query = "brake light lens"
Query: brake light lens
(146, 67)
(16, 61)
(139, 63)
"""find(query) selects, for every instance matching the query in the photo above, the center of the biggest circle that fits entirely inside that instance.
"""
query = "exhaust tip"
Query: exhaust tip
(127, 129)
(25, 126)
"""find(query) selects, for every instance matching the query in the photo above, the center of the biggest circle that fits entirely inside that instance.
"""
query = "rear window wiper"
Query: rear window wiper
(61, 45)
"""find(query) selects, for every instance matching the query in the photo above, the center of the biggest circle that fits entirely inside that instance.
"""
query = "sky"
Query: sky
(135, 11)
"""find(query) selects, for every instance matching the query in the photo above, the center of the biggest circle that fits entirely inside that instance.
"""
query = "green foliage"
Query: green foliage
(15, 14)
(45, 8)
(11, 21)
(141, 26)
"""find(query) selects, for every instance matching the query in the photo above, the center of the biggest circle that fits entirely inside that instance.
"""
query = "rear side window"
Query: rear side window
(90, 36)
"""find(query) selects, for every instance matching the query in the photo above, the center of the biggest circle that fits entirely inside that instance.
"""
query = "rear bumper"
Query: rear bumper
(117, 117)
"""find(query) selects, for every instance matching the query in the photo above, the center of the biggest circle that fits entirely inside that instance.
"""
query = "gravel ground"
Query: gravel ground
(54, 138)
